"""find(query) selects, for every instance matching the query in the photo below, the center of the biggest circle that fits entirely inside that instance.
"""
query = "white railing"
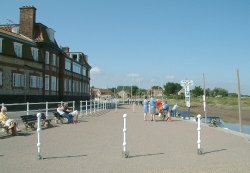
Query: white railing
(15, 110)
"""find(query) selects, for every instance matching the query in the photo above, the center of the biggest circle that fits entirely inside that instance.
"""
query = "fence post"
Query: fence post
(94, 106)
(86, 107)
(125, 153)
(47, 108)
(80, 108)
(38, 135)
(28, 108)
(199, 151)
(73, 105)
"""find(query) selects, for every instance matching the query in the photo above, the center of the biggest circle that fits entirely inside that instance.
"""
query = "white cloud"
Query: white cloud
(95, 71)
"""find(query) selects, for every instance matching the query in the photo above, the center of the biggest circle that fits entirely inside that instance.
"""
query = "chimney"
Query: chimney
(65, 49)
(27, 21)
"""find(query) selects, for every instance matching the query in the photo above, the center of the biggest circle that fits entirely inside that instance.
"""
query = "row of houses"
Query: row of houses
(34, 68)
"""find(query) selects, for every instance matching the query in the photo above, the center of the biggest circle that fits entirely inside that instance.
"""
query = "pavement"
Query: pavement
(95, 146)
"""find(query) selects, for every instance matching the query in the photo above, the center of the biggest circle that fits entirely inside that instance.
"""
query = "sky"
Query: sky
(151, 42)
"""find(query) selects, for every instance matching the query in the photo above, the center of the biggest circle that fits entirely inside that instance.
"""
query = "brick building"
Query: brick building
(34, 68)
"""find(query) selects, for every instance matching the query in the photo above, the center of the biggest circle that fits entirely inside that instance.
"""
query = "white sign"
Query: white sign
(185, 84)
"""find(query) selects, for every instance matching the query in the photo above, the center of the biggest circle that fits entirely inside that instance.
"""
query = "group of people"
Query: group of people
(157, 107)
(8, 123)
(69, 114)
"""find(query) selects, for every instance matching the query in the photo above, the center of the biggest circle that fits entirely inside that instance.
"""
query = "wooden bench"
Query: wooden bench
(59, 118)
(30, 121)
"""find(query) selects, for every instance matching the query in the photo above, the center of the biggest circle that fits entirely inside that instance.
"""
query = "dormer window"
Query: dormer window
(51, 33)
(1, 45)
(34, 52)
(18, 49)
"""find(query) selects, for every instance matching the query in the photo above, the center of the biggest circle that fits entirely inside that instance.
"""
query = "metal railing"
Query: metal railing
(15, 110)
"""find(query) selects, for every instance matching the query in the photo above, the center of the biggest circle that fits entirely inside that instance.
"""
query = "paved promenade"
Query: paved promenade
(95, 146)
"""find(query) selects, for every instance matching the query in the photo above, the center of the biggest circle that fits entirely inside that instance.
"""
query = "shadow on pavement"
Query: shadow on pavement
(63, 157)
(214, 151)
(143, 155)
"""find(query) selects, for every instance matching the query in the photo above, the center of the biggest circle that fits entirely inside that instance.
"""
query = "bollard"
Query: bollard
(125, 153)
(199, 152)
(38, 135)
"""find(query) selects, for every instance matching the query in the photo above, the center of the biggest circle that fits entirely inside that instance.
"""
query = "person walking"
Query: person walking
(145, 107)
(152, 108)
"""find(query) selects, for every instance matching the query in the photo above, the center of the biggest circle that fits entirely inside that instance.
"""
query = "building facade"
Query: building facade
(34, 68)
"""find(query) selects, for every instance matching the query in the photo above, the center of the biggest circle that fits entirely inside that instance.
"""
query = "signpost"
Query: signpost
(185, 84)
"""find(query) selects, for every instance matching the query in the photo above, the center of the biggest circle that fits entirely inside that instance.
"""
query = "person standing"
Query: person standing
(152, 108)
(145, 107)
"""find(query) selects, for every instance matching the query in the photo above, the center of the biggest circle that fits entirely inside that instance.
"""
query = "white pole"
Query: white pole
(204, 98)
(28, 108)
(47, 109)
(94, 106)
(239, 100)
(199, 135)
(80, 108)
(73, 105)
(90, 103)
(125, 153)
(38, 135)
(86, 108)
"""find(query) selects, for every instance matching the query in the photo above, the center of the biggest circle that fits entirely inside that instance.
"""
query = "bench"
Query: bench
(30, 121)
(59, 118)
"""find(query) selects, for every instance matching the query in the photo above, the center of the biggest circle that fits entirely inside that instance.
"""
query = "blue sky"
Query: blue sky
(151, 42)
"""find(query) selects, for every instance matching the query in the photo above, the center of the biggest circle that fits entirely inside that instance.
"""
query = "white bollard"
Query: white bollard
(38, 135)
(125, 153)
(199, 135)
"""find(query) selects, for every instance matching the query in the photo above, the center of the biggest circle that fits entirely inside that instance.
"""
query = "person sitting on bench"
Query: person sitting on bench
(65, 112)
(7, 122)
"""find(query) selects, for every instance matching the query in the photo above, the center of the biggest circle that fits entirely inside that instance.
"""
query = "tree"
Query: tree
(219, 91)
(172, 88)
(197, 91)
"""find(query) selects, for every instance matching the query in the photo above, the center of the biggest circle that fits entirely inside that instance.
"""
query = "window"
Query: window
(51, 33)
(53, 83)
(18, 49)
(76, 68)
(34, 52)
(1, 45)
(46, 82)
(47, 57)
(57, 61)
(1, 78)
(67, 64)
(84, 71)
(36, 82)
(19, 80)
(54, 60)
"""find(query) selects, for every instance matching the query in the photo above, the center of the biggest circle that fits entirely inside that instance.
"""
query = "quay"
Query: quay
(95, 146)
